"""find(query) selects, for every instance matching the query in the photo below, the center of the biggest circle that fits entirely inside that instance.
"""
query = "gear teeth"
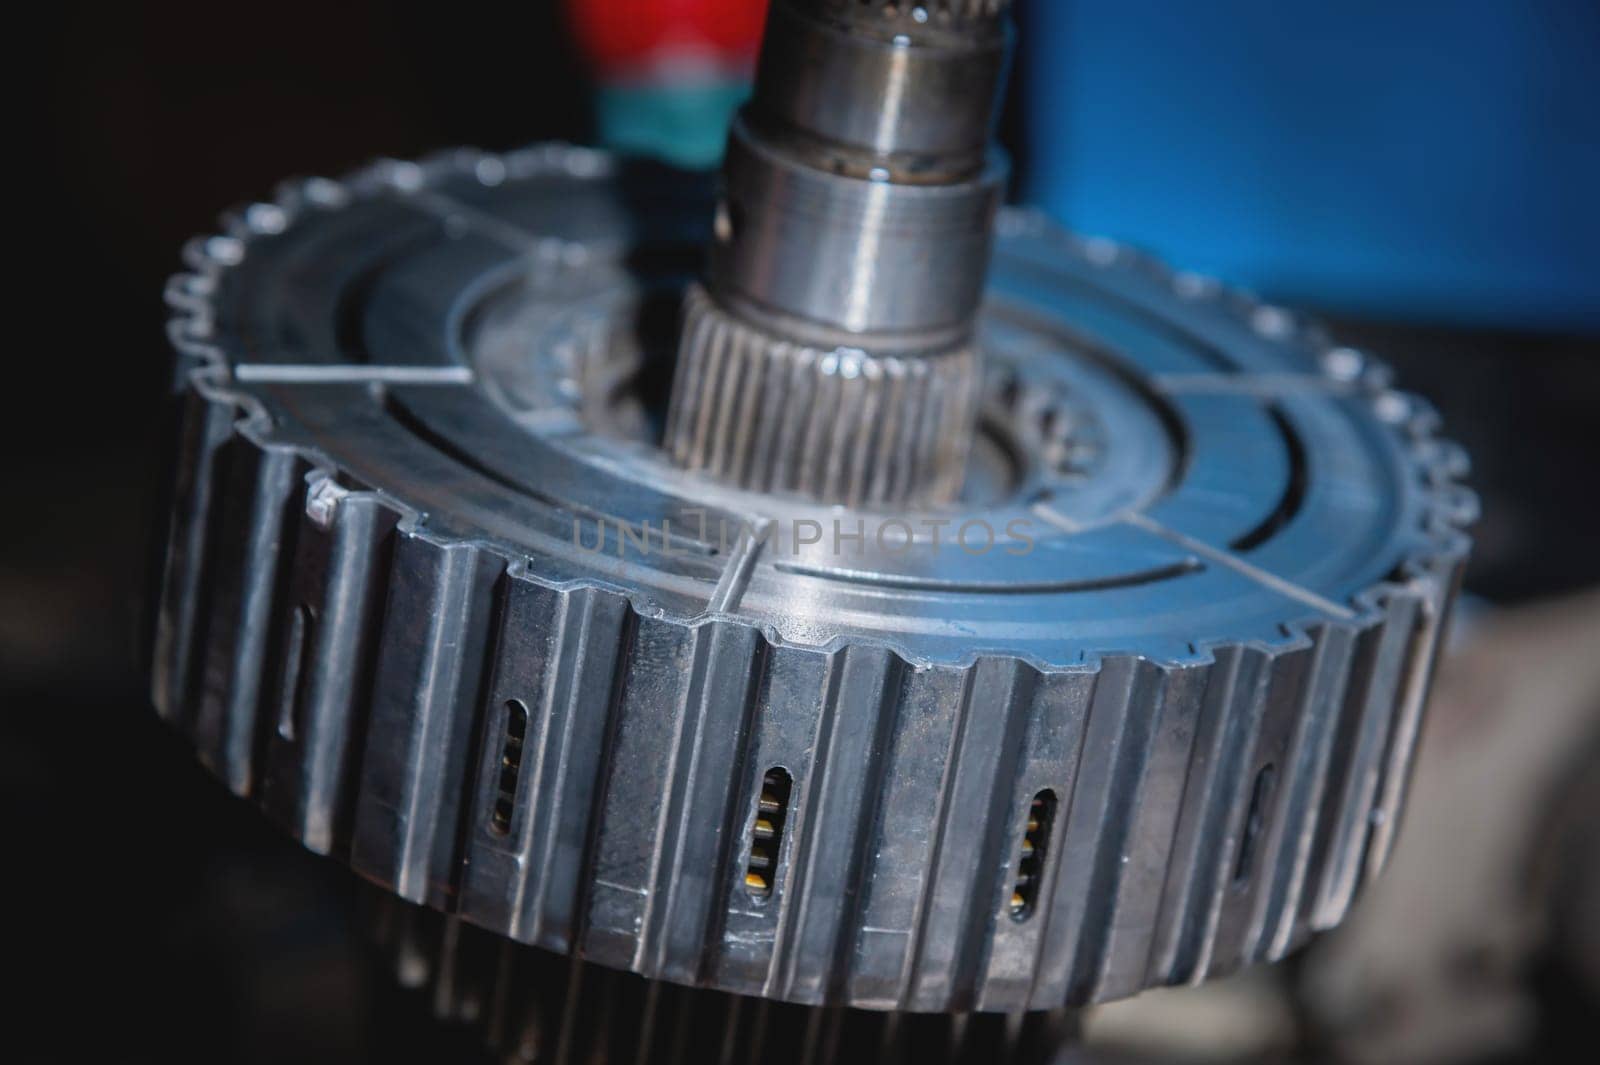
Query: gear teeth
(375, 727)
(1148, 758)
(841, 425)
(903, 885)
(531, 1006)
(422, 728)
(317, 708)
(789, 686)
(1258, 798)
(256, 490)
(1367, 727)
(1275, 925)
(836, 821)
(1426, 613)
(385, 746)
(204, 427)
(1223, 716)
(1123, 712)
(1053, 710)
(680, 712)
(557, 654)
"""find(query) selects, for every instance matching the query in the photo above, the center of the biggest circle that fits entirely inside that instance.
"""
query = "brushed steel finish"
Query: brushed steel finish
(856, 222)
(1214, 650)
(772, 415)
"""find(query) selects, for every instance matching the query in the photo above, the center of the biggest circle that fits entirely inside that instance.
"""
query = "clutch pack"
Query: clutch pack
(909, 643)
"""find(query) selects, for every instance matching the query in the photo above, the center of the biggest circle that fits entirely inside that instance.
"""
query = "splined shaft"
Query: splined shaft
(831, 352)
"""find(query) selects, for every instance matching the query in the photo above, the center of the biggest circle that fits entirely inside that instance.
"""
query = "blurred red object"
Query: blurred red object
(619, 36)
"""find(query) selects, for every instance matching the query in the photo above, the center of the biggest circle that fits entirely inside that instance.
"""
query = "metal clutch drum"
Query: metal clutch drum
(1136, 706)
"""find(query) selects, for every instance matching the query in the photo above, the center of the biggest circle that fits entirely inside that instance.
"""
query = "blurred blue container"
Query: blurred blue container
(1430, 160)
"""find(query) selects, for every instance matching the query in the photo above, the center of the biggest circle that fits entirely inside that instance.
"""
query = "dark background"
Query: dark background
(154, 918)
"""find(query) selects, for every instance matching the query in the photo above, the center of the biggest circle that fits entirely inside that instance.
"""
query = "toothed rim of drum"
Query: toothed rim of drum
(1438, 463)
(1101, 928)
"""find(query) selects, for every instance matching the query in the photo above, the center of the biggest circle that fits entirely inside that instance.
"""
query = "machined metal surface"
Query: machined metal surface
(437, 599)
(853, 229)
(777, 415)
(875, 264)
(873, 88)
(533, 1006)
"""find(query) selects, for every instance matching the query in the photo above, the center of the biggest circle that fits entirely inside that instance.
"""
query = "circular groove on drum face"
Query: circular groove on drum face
(422, 486)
